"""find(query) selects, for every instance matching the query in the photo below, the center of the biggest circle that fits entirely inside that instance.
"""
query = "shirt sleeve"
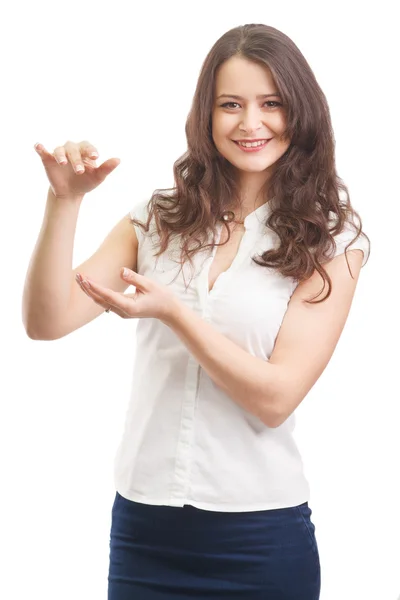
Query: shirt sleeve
(140, 212)
(348, 233)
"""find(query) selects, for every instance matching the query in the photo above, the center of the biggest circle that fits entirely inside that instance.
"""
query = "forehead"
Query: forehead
(243, 77)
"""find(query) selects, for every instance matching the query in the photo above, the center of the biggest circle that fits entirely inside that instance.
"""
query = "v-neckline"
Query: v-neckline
(251, 222)
(214, 255)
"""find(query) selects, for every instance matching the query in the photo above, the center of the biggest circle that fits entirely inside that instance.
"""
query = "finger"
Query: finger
(88, 288)
(100, 300)
(89, 162)
(95, 297)
(44, 154)
(73, 154)
(87, 149)
(106, 168)
(60, 156)
(110, 298)
(92, 294)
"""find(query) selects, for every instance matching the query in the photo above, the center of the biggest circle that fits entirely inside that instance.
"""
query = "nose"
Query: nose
(251, 120)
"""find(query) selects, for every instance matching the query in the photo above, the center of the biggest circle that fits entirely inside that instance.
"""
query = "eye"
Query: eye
(276, 104)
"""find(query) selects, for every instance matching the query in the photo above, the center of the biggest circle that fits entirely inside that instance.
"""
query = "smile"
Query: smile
(256, 148)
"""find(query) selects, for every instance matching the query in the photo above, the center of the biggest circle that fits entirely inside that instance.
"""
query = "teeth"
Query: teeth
(253, 144)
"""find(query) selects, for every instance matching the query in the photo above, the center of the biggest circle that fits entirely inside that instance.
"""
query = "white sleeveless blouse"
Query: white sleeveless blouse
(186, 441)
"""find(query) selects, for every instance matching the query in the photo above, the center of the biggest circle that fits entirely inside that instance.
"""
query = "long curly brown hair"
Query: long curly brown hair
(304, 188)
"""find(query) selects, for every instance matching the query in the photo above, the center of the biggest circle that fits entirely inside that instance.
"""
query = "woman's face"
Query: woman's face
(248, 117)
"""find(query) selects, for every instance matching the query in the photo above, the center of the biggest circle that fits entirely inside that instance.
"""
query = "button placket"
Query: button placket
(183, 460)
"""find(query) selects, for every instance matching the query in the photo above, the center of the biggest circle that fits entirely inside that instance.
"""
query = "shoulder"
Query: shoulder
(346, 239)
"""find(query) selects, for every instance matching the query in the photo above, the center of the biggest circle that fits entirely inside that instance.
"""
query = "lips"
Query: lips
(252, 148)
(244, 141)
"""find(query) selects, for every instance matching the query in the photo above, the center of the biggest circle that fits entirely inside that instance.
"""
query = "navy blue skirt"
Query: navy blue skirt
(173, 553)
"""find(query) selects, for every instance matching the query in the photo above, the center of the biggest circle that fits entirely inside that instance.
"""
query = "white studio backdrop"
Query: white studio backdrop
(123, 78)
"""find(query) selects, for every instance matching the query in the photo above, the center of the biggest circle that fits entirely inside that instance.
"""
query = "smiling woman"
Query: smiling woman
(257, 210)
(250, 121)
(259, 131)
(225, 355)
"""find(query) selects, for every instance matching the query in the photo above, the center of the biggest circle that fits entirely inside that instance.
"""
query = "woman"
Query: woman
(228, 267)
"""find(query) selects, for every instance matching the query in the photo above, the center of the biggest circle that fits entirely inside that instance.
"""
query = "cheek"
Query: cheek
(223, 125)
(280, 123)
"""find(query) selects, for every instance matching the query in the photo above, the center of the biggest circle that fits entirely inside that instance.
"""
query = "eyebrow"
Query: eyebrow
(241, 98)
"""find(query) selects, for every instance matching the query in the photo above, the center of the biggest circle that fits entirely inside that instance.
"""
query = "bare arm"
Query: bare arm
(48, 279)
(50, 306)
(273, 389)
(53, 303)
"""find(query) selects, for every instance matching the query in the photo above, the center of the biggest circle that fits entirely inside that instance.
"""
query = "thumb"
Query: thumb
(137, 280)
(106, 168)
(130, 275)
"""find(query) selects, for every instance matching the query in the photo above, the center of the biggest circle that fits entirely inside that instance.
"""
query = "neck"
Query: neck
(253, 187)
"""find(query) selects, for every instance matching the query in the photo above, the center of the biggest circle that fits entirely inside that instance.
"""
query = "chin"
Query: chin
(249, 166)
(254, 170)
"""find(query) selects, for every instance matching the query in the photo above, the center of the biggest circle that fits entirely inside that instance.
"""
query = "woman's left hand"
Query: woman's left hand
(150, 299)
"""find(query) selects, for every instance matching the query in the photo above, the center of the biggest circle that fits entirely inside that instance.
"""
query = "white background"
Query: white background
(123, 78)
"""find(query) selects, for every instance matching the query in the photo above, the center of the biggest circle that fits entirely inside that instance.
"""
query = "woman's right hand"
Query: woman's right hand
(62, 168)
